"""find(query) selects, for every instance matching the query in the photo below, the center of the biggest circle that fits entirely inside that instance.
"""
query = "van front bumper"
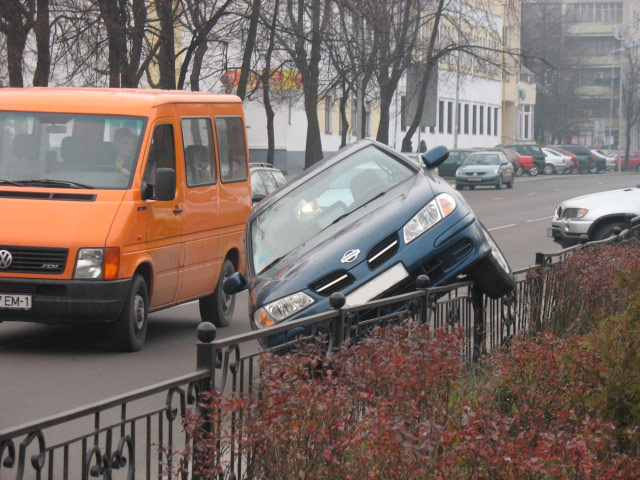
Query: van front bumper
(65, 302)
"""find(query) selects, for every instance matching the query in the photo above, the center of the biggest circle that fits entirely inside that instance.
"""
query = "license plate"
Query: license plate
(474, 179)
(20, 302)
(378, 285)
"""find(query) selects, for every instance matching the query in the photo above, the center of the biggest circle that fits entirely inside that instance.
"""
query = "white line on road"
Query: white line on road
(556, 189)
(538, 219)
(498, 198)
(504, 226)
(529, 194)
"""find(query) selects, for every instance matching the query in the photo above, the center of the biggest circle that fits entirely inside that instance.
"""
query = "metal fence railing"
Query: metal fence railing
(137, 435)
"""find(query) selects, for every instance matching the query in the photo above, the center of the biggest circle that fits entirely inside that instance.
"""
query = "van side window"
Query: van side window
(232, 150)
(199, 158)
(161, 152)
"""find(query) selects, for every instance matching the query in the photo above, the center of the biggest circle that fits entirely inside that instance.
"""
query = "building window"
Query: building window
(458, 118)
(449, 117)
(481, 120)
(441, 116)
(403, 113)
(474, 122)
(327, 115)
(466, 118)
(524, 122)
(367, 119)
(495, 121)
(488, 120)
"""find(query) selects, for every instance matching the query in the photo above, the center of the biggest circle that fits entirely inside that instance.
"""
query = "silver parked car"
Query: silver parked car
(596, 215)
(489, 167)
(557, 162)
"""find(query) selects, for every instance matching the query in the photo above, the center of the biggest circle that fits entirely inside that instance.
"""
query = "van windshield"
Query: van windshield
(69, 150)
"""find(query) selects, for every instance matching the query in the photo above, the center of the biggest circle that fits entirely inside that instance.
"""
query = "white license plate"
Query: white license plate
(474, 179)
(20, 302)
(378, 285)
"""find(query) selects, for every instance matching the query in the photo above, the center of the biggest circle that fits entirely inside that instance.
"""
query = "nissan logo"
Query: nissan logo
(5, 259)
(350, 256)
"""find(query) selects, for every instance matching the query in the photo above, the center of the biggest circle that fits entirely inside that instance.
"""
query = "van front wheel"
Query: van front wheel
(130, 329)
(217, 308)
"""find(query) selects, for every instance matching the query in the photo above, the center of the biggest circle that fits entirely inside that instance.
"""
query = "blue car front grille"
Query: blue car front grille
(332, 283)
(383, 251)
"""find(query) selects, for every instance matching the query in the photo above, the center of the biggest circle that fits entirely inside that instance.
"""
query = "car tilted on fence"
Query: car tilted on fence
(365, 222)
(595, 215)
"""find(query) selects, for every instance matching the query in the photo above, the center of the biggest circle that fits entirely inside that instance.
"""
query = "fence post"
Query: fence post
(205, 361)
(536, 297)
(477, 299)
(423, 282)
(337, 301)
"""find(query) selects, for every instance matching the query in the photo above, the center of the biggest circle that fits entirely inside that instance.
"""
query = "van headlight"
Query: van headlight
(277, 311)
(432, 213)
(97, 263)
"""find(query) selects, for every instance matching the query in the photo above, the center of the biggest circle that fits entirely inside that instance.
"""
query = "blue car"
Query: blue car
(365, 222)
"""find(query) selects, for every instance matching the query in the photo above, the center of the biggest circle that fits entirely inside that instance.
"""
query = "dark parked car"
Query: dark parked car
(265, 179)
(449, 167)
(533, 151)
(587, 161)
(485, 168)
(365, 222)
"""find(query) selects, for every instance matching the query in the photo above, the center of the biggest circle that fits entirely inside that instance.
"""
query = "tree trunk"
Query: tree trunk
(248, 49)
(132, 71)
(15, 50)
(42, 30)
(386, 95)
(194, 78)
(343, 115)
(313, 149)
(266, 87)
(166, 52)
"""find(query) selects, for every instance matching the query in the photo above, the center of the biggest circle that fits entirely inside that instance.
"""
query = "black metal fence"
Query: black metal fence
(137, 435)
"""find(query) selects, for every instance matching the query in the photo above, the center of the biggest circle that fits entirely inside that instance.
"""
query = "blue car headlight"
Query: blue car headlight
(276, 311)
(437, 209)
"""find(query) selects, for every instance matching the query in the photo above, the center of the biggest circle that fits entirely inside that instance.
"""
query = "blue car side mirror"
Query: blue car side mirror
(435, 156)
(234, 283)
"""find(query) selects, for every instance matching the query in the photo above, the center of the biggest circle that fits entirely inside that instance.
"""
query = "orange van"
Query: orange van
(119, 202)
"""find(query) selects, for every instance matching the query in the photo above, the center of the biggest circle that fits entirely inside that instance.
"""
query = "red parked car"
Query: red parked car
(521, 163)
(634, 160)
(574, 158)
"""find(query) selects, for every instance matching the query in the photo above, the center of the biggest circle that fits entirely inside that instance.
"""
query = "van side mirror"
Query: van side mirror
(165, 184)
(435, 156)
(234, 283)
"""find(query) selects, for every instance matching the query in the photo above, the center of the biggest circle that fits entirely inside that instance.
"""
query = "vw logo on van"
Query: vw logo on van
(350, 256)
(5, 259)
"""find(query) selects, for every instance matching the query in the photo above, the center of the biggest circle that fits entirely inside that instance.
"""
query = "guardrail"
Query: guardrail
(106, 439)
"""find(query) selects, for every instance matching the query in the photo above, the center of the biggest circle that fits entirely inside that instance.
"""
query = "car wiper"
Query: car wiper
(9, 182)
(357, 208)
(54, 183)
(271, 264)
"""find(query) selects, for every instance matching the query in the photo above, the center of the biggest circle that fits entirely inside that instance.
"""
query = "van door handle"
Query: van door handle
(177, 210)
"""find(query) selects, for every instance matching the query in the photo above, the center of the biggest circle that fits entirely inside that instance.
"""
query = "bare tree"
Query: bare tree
(630, 97)
(302, 34)
(17, 18)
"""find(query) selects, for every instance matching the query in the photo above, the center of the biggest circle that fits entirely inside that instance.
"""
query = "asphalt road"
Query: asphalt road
(46, 370)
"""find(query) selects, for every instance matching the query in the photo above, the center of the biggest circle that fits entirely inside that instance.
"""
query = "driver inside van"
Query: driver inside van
(125, 143)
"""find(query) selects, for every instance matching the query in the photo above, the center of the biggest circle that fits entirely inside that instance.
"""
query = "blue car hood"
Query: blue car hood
(362, 230)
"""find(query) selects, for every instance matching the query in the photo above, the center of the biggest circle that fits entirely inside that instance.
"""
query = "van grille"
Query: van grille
(333, 282)
(383, 251)
(36, 260)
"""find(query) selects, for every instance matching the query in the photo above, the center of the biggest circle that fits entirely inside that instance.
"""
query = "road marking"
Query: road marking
(538, 219)
(498, 198)
(504, 226)
(529, 194)
(556, 189)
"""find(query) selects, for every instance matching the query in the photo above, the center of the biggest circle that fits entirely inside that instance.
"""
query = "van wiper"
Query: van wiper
(9, 182)
(47, 182)
(357, 208)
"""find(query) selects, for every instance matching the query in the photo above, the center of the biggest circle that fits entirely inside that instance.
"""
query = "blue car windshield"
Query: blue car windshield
(326, 198)
(71, 150)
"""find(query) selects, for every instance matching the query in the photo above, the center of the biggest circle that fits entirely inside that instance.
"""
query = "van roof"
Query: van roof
(122, 101)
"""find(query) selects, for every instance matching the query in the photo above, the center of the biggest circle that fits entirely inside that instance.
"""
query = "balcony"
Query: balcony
(590, 29)
(599, 91)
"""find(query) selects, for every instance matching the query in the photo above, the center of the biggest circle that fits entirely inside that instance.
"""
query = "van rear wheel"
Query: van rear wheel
(218, 307)
(129, 331)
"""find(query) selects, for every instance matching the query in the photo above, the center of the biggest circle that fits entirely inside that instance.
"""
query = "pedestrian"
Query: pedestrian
(423, 146)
